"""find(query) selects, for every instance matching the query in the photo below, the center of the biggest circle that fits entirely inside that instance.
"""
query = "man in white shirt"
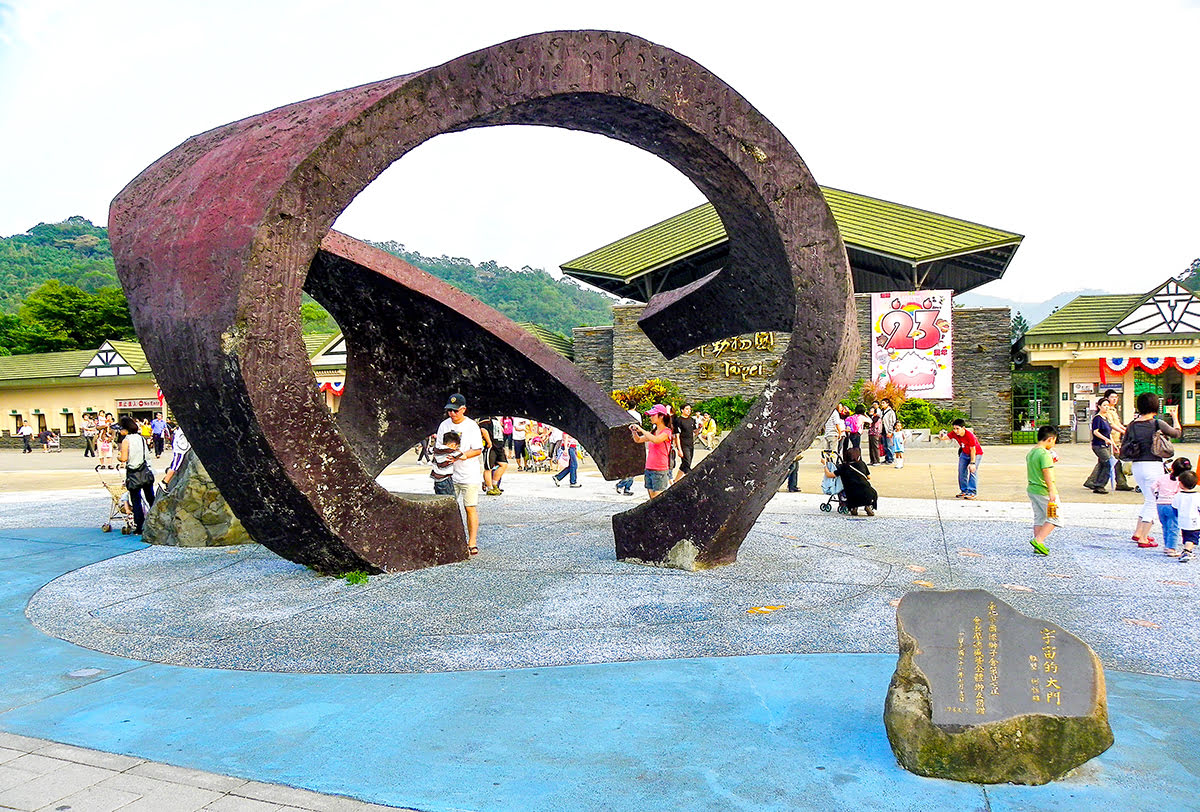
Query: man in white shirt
(26, 432)
(467, 469)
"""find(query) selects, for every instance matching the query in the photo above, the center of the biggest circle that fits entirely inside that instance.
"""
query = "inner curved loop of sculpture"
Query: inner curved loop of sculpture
(215, 241)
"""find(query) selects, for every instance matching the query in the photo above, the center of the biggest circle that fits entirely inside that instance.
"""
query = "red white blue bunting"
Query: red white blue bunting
(1119, 366)
(336, 387)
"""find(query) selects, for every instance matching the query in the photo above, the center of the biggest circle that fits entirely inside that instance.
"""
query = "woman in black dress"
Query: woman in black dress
(856, 480)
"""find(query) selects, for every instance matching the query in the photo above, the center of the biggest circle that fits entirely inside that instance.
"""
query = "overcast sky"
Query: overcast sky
(1075, 124)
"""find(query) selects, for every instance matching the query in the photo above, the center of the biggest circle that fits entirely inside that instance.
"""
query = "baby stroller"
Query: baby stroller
(53, 443)
(119, 511)
(832, 486)
(539, 460)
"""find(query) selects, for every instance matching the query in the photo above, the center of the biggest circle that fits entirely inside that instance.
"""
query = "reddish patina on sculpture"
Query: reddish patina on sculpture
(215, 241)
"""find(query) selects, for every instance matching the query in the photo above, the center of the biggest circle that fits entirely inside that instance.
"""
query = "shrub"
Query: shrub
(920, 414)
(727, 410)
(872, 391)
(640, 397)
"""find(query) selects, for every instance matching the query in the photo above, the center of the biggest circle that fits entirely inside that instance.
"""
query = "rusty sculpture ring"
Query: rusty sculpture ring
(215, 240)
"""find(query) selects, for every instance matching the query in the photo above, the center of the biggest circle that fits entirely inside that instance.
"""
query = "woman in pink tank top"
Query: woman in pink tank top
(658, 448)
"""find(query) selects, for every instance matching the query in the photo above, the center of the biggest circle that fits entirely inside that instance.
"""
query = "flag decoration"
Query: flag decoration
(1119, 366)
(336, 387)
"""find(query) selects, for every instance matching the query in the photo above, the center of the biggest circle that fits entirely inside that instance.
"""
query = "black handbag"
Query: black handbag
(139, 476)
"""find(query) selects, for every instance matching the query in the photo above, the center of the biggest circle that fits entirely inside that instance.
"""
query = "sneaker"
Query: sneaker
(870, 511)
(1185, 557)
(557, 484)
(626, 493)
(959, 495)
(969, 496)
(1039, 548)
(619, 490)
(577, 485)
(493, 491)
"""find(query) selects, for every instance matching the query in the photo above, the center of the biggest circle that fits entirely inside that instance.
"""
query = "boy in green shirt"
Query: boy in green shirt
(1043, 494)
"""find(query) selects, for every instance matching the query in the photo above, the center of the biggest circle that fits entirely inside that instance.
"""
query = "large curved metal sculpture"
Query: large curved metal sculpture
(214, 242)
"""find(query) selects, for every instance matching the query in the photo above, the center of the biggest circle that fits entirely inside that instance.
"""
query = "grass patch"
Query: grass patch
(357, 577)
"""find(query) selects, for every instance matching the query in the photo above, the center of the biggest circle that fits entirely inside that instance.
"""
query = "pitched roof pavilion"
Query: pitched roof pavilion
(1168, 309)
(890, 247)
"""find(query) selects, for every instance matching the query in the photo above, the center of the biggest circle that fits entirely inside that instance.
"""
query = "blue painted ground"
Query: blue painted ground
(780, 732)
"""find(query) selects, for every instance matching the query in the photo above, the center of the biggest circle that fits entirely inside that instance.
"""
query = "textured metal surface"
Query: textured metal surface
(214, 241)
(411, 339)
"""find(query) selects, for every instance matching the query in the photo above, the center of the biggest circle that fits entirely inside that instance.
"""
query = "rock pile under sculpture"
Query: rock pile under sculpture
(193, 513)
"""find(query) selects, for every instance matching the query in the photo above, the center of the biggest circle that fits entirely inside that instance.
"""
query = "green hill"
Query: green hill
(74, 252)
(77, 253)
(528, 295)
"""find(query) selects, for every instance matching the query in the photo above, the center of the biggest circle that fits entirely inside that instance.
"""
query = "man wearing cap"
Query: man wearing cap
(467, 470)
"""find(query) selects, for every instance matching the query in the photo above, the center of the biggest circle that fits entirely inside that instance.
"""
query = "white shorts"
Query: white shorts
(469, 493)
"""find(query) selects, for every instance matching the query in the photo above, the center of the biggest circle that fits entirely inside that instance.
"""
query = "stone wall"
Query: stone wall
(594, 354)
(741, 366)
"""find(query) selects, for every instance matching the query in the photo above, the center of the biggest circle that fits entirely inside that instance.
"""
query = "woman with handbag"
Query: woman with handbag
(1146, 446)
(139, 479)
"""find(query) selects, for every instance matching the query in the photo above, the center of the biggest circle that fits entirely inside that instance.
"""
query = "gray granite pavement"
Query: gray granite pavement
(546, 591)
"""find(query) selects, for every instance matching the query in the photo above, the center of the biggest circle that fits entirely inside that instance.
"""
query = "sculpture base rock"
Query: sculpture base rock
(193, 513)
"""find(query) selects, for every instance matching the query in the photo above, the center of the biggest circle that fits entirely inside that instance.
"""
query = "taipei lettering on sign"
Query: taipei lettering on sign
(911, 341)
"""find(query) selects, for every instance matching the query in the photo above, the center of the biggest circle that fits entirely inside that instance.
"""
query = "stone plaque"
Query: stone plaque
(986, 661)
(984, 693)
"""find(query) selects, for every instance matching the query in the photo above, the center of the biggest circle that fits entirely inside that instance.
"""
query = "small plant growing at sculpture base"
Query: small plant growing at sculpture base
(356, 577)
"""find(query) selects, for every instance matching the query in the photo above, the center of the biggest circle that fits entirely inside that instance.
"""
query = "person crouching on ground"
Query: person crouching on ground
(1187, 505)
(856, 482)
(658, 448)
(1040, 487)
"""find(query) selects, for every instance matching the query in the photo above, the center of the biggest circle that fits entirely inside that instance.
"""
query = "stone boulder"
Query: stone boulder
(983, 693)
(193, 513)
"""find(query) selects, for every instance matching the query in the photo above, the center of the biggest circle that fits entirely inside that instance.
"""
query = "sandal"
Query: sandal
(473, 550)
(1148, 543)
(1171, 553)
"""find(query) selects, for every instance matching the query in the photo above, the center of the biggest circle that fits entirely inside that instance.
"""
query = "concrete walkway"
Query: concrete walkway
(36, 774)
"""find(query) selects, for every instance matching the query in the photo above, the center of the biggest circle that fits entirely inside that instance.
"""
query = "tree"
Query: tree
(1190, 278)
(1018, 328)
(59, 317)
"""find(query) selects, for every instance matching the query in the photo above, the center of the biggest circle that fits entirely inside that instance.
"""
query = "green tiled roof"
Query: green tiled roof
(315, 342)
(903, 232)
(45, 364)
(672, 239)
(1084, 315)
(878, 226)
(561, 345)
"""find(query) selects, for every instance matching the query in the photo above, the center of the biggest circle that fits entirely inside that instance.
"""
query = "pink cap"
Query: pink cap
(658, 408)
